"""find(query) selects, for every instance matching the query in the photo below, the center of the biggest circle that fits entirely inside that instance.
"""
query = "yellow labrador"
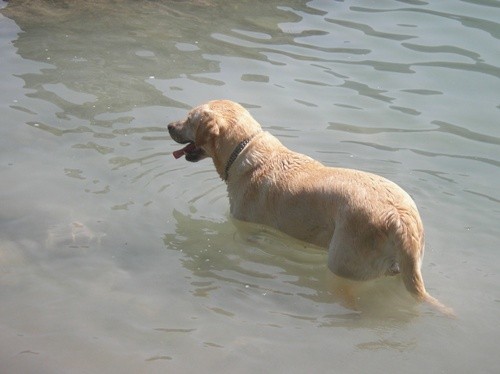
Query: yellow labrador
(369, 224)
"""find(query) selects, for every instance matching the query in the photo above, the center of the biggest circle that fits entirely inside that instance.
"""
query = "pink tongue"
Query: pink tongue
(181, 152)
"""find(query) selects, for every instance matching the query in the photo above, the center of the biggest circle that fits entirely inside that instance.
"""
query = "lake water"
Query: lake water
(114, 257)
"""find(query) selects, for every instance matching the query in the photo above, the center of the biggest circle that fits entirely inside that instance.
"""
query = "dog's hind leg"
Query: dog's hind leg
(361, 256)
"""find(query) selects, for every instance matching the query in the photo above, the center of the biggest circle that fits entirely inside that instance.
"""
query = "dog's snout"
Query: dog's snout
(172, 128)
(176, 131)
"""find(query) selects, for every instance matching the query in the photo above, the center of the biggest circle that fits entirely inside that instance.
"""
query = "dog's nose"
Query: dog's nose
(171, 127)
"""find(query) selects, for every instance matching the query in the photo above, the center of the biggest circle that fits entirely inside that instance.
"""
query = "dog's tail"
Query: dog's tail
(410, 241)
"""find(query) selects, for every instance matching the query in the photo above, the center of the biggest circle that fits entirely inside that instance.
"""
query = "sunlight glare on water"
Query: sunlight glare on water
(116, 257)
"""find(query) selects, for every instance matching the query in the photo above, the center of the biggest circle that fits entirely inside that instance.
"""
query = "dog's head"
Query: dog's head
(213, 130)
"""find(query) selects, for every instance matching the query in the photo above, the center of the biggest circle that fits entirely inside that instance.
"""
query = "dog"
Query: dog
(370, 226)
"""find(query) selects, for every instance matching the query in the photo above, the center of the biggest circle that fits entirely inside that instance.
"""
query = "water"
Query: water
(116, 257)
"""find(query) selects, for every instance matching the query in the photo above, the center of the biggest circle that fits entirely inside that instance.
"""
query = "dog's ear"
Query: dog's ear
(207, 129)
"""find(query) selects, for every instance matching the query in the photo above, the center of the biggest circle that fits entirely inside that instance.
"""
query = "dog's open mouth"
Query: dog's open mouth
(192, 153)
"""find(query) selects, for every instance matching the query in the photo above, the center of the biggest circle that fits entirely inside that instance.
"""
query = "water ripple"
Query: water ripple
(465, 133)
(368, 30)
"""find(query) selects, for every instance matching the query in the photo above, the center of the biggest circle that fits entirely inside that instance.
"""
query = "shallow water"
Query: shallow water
(114, 256)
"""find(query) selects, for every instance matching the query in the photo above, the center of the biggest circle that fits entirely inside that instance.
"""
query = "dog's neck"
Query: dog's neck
(234, 155)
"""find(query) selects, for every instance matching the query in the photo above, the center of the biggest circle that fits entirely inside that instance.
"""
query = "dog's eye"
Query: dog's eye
(193, 117)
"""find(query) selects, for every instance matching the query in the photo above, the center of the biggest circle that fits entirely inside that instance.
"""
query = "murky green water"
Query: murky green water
(116, 257)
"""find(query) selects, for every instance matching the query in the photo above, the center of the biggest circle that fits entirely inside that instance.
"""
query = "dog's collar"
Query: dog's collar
(236, 152)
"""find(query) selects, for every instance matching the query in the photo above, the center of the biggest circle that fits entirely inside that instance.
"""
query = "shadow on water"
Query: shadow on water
(286, 274)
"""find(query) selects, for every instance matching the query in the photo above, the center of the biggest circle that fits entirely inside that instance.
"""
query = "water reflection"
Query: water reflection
(249, 260)
(250, 256)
